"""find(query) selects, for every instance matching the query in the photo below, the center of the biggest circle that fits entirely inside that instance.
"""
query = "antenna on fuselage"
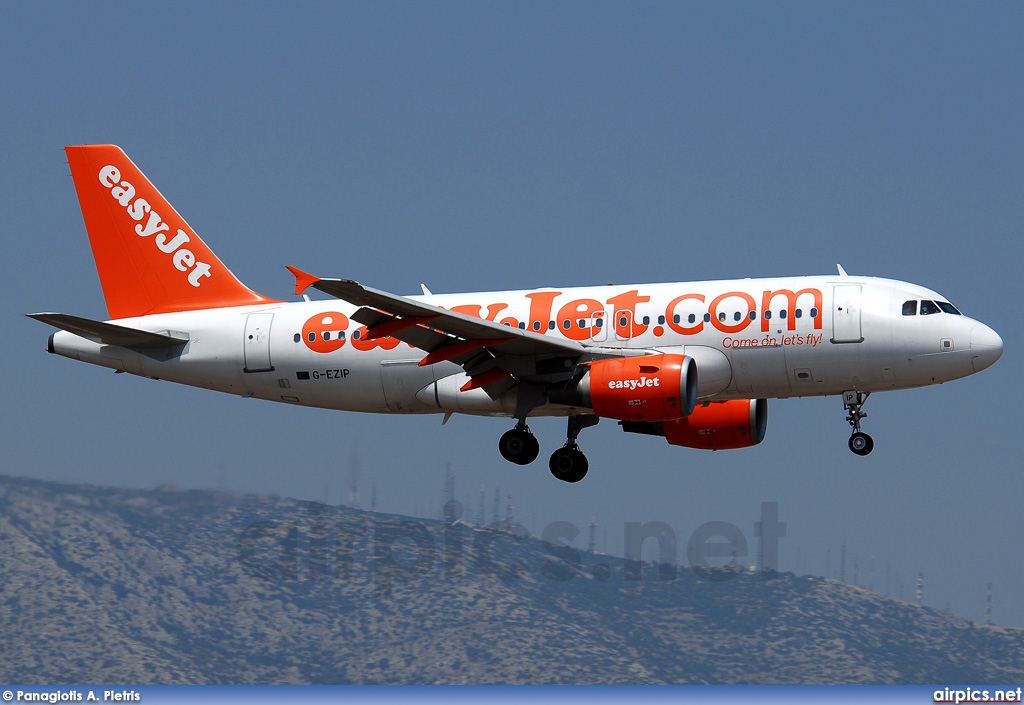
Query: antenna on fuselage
(842, 272)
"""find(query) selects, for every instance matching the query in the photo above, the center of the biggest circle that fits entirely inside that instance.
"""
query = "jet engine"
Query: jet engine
(717, 425)
(649, 388)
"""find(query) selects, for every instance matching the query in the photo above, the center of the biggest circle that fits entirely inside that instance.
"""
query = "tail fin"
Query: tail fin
(149, 259)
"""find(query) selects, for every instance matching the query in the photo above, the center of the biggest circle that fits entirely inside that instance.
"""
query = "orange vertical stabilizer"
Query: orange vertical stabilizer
(149, 259)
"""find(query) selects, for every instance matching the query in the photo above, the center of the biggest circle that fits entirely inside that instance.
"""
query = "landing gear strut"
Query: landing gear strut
(853, 402)
(519, 445)
(568, 463)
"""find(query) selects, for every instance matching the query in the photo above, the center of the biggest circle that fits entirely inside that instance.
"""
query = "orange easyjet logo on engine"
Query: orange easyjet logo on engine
(150, 224)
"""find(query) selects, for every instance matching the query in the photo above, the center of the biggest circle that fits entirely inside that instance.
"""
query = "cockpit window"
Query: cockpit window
(948, 308)
(929, 307)
(910, 308)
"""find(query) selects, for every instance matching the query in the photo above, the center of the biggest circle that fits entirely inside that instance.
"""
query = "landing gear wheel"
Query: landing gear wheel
(569, 464)
(519, 446)
(853, 402)
(861, 443)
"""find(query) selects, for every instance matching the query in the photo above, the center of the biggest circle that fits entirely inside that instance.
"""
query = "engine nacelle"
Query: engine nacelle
(647, 388)
(719, 425)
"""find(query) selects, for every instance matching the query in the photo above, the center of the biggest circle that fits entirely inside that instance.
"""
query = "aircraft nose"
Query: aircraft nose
(986, 347)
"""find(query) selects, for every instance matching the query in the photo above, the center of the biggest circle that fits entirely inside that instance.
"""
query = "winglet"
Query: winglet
(303, 280)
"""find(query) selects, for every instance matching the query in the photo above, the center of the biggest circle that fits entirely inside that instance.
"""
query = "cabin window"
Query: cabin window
(767, 315)
(647, 320)
(675, 318)
(721, 316)
(814, 313)
(356, 335)
(551, 325)
(707, 318)
(312, 337)
(928, 308)
(910, 308)
(737, 316)
(566, 324)
(327, 335)
(298, 337)
(753, 315)
(691, 318)
(536, 325)
(581, 324)
(599, 323)
(661, 320)
(798, 313)
(522, 325)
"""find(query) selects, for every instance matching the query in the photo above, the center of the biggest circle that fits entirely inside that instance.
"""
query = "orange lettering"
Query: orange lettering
(722, 325)
(573, 312)
(322, 332)
(670, 313)
(627, 302)
(791, 299)
(360, 341)
(540, 310)
(468, 309)
(474, 310)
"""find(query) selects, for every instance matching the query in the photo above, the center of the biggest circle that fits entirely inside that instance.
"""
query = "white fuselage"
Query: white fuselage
(750, 338)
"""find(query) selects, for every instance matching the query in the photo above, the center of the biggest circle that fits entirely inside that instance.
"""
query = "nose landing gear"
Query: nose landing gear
(853, 402)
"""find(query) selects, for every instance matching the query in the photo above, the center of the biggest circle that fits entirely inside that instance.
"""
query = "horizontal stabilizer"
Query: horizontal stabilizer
(110, 333)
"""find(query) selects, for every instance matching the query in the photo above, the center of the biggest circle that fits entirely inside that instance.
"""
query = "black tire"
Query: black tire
(569, 464)
(861, 443)
(518, 446)
(532, 448)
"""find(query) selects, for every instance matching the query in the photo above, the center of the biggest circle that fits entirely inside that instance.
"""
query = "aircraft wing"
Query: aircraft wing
(488, 351)
(110, 333)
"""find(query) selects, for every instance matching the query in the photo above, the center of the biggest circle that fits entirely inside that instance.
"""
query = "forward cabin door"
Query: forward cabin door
(846, 326)
(257, 342)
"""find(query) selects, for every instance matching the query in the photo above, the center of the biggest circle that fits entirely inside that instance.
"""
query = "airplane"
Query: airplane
(693, 362)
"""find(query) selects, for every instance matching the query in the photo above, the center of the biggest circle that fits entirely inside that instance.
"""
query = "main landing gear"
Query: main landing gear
(853, 402)
(519, 445)
(568, 463)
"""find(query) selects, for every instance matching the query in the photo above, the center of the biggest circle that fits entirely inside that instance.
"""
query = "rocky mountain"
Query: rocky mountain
(105, 585)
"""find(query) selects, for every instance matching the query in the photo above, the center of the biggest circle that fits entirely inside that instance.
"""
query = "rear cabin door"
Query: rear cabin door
(257, 342)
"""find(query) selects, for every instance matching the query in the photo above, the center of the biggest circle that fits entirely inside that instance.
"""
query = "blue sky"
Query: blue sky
(477, 146)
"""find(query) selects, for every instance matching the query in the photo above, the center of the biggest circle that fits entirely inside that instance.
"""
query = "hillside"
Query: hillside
(126, 586)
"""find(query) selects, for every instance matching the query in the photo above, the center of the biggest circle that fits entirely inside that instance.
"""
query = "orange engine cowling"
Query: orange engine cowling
(719, 425)
(649, 388)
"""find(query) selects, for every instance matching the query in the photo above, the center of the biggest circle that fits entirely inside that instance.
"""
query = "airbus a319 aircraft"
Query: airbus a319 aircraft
(693, 362)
